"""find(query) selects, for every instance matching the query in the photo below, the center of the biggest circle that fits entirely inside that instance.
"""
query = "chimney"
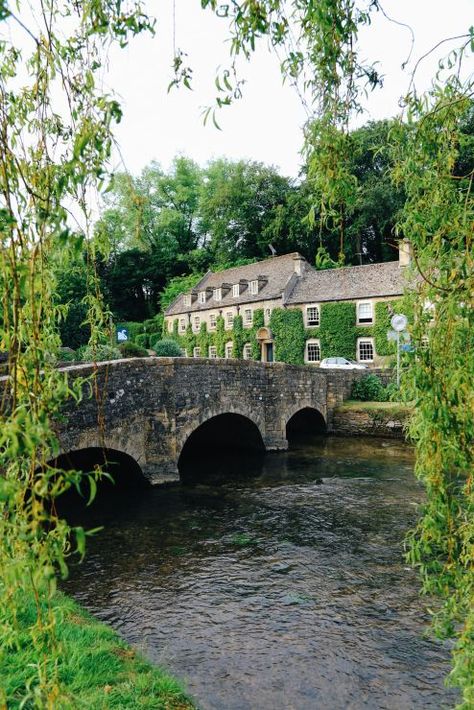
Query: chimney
(298, 264)
(404, 252)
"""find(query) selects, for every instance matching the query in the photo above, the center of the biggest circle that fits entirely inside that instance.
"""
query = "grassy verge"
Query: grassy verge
(392, 408)
(97, 670)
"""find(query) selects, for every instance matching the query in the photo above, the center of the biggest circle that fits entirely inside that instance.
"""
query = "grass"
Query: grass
(97, 670)
(394, 408)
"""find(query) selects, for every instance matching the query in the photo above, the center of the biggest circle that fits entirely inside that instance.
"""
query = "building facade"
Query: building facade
(283, 309)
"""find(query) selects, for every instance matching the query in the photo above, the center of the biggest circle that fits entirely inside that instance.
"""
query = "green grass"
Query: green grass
(394, 408)
(97, 670)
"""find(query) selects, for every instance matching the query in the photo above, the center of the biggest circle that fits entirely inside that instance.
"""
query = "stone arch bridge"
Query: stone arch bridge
(148, 408)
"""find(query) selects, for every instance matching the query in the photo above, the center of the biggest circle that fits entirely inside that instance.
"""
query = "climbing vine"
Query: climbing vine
(288, 330)
(337, 332)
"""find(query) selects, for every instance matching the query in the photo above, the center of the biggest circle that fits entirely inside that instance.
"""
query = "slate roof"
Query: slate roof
(349, 283)
(277, 271)
(279, 280)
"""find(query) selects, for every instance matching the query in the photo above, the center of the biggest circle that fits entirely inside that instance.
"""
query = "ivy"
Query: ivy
(337, 332)
(203, 340)
(239, 337)
(288, 329)
(258, 322)
(220, 337)
(384, 311)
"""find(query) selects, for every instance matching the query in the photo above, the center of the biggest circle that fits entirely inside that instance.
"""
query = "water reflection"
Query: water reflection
(275, 584)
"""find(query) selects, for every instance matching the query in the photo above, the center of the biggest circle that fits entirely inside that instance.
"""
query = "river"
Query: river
(275, 583)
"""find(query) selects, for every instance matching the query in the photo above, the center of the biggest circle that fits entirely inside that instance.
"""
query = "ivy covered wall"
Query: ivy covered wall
(337, 332)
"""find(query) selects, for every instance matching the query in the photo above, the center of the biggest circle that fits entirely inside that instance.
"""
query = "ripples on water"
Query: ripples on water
(275, 584)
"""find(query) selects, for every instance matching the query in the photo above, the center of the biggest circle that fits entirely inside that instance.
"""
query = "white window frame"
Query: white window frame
(196, 324)
(182, 325)
(212, 321)
(229, 320)
(267, 315)
(212, 352)
(254, 287)
(312, 341)
(229, 346)
(365, 321)
(197, 351)
(246, 320)
(236, 290)
(218, 294)
(202, 297)
(361, 341)
(312, 322)
(247, 351)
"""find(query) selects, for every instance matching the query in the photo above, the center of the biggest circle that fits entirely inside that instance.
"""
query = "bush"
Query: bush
(66, 355)
(129, 349)
(100, 353)
(369, 389)
(167, 348)
(143, 340)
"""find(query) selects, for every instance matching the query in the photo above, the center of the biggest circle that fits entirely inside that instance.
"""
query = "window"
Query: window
(196, 322)
(212, 351)
(170, 326)
(229, 319)
(365, 350)
(267, 316)
(228, 349)
(236, 290)
(254, 287)
(248, 316)
(212, 321)
(202, 297)
(247, 352)
(364, 312)
(218, 294)
(182, 325)
(312, 316)
(196, 352)
(187, 299)
(313, 351)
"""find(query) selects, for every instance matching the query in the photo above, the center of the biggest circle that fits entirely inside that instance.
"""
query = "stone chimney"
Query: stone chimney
(298, 264)
(404, 252)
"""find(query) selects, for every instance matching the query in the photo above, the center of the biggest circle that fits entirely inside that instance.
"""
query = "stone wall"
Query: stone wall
(352, 421)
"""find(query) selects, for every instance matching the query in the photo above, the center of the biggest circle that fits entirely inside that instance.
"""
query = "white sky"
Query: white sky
(266, 124)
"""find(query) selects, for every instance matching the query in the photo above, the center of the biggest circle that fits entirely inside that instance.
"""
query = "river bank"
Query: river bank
(385, 419)
(96, 668)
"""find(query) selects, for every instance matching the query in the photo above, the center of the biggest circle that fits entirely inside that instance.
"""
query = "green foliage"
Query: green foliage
(384, 310)
(167, 348)
(134, 329)
(337, 331)
(219, 338)
(66, 355)
(100, 353)
(189, 341)
(258, 322)
(239, 337)
(203, 340)
(132, 350)
(177, 285)
(369, 389)
(143, 340)
(288, 329)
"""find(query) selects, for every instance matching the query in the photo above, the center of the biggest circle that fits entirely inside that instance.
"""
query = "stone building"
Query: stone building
(251, 296)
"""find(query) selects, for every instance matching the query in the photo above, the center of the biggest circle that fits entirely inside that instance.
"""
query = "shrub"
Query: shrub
(66, 355)
(369, 389)
(143, 340)
(167, 348)
(100, 352)
(132, 350)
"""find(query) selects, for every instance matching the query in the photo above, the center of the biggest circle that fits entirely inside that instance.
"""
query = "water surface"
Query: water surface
(275, 584)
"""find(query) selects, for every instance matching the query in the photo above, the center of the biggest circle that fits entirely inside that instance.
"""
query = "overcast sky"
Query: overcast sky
(266, 124)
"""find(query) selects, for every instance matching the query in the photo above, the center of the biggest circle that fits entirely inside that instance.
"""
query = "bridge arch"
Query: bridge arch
(304, 421)
(227, 431)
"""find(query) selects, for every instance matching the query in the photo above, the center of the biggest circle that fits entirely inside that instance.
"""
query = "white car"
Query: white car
(342, 363)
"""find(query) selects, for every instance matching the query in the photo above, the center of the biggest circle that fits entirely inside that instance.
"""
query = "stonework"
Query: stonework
(148, 407)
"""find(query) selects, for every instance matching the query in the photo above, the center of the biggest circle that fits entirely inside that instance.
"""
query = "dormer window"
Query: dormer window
(218, 294)
(187, 299)
(254, 287)
(202, 297)
(236, 290)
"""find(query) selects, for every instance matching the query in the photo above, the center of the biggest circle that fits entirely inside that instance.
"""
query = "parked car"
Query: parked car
(342, 363)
